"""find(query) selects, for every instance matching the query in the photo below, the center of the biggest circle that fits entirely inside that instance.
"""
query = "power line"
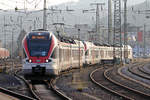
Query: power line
(98, 18)
(36, 5)
(29, 2)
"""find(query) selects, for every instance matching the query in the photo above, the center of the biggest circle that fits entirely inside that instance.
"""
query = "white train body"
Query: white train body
(46, 55)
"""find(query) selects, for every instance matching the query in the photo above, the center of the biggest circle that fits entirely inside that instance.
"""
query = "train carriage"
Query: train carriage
(47, 55)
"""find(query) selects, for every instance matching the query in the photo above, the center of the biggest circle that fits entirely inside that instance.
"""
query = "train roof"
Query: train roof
(66, 40)
(40, 30)
(127, 46)
(102, 44)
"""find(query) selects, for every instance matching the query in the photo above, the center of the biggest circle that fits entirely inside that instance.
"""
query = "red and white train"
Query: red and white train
(46, 55)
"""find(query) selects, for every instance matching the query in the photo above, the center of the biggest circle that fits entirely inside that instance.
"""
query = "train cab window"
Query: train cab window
(39, 47)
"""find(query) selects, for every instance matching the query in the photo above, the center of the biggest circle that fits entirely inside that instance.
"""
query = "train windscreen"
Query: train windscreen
(38, 46)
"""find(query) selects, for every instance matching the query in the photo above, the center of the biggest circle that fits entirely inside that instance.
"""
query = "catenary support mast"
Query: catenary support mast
(117, 49)
(44, 16)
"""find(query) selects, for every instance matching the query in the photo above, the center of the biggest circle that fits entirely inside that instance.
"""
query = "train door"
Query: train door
(99, 57)
(60, 58)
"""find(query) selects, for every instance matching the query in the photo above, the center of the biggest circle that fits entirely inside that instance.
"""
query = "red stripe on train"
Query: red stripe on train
(26, 47)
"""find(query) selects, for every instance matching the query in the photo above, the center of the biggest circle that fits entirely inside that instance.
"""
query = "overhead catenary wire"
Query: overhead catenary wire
(37, 4)
(29, 2)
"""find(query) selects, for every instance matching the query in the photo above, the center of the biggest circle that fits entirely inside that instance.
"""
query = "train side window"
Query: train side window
(60, 54)
(128, 52)
(54, 53)
(87, 53)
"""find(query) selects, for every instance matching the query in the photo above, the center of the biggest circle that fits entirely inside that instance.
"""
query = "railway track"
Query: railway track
(139, 91)
(136, 70)
(28, 85)
(78, 86)
(48, 91)
(15, 94)
(56, 90)
(135, 82)
(44, 90)
(103, 78)
(145, 69)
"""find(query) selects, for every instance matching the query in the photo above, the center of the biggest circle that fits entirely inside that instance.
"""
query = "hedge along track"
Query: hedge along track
(123, 91)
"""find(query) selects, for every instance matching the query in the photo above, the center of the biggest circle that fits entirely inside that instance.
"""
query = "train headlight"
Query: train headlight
(30, 60)
(47, 60)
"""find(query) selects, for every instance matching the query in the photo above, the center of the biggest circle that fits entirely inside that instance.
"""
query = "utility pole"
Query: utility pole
(117, 42)
(109, 21)
(4, 39)
(34, 23)
(138, 43)
(79, 47)
(44, 16)
(5, 33)
(144, 40)
(21, 23)
(12, 44)
(12, 57)
(125, 28)
(97, 18)
(125, 22)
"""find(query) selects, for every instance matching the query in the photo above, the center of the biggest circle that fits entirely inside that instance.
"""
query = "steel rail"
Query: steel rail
(105, 87)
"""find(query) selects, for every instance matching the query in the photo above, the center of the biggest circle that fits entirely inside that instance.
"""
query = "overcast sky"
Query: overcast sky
(133, 2)
(37, 4)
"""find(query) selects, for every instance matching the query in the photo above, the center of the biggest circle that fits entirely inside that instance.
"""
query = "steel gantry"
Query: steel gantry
(117, 43)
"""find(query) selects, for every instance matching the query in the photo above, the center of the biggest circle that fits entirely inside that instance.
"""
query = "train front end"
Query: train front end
(38, 47)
